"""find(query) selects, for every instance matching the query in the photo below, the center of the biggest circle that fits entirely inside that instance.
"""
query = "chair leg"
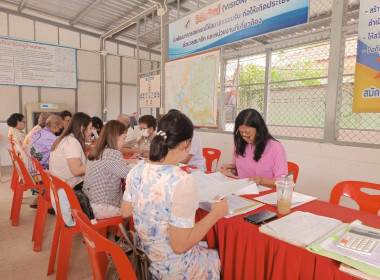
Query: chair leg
(13, 207)
(16, 205)
(14, 180)
(37, 218)
(65, 243)
(54, 247)
(40, 226)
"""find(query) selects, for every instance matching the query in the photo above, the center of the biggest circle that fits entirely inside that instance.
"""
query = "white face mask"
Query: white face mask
(144, 132)
(95, 133)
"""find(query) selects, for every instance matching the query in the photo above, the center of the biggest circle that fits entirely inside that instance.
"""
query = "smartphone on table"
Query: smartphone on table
(260, 217)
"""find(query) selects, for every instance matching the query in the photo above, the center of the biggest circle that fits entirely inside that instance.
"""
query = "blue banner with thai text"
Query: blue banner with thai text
(227, 21)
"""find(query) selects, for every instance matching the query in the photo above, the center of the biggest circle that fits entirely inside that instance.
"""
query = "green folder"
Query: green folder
(318, 249)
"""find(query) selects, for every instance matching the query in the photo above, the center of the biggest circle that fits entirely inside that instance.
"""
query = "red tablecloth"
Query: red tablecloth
(127, 156)
(245, 253)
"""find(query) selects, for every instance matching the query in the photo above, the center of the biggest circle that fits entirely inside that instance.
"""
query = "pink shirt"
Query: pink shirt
(272, 163)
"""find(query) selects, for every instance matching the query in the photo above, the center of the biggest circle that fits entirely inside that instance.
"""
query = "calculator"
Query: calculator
(360, 240)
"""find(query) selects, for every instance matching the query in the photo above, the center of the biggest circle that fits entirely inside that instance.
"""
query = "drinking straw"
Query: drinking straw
(286, 178)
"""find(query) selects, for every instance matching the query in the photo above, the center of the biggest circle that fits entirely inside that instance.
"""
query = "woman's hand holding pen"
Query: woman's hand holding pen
(226, 169)
(219, 208)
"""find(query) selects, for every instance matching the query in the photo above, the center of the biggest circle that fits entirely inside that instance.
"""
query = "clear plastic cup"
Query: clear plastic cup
(284, 189)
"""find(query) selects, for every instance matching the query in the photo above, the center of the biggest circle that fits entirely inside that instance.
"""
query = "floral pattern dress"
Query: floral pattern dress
(163, 195)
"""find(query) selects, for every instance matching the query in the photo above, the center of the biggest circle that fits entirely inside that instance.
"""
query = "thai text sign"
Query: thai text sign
(367, 70)
(33, 64)
(150, 88)
(227, 21)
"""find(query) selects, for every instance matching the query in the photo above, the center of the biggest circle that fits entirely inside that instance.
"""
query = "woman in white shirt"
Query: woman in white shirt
(67, 159)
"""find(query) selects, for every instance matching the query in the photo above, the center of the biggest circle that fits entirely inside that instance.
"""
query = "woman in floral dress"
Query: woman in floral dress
(163, 200)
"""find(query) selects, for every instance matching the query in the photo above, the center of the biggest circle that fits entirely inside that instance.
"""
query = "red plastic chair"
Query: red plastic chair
(293, 167)
(65, 234)
(44, 204)
(25, 182)
(14, 173)
(211, 154)
(352, 189)
(98, 247)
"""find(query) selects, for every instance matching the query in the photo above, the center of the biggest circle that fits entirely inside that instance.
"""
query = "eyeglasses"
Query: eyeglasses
(244, 134)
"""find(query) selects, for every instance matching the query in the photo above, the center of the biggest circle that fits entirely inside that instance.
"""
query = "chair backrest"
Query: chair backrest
(57, 184)
(44, 176)
(211, 154)
(367, 202)
(293, 167)
(98, 246)
(22, 172)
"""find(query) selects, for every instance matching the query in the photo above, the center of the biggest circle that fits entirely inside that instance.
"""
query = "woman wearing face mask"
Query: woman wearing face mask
(97, 125)
(147, 126)
(105, 169)
(163, 200)
(257, 155)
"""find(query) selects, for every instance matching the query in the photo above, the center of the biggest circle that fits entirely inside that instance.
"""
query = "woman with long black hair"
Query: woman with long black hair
(257, 155)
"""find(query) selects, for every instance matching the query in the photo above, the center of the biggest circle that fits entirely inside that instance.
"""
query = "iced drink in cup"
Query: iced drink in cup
(284, 187)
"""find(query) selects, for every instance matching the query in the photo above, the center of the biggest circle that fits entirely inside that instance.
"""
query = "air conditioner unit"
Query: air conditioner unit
(33, 111)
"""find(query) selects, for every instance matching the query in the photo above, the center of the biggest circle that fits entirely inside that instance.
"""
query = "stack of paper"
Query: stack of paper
(236, 205)
(297, 199)
(301, 228)
(216, 184)
(355, 272)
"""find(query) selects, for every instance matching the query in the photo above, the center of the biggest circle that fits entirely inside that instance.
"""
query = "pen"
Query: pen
(232, 168)
(213, 201)
(138, 156)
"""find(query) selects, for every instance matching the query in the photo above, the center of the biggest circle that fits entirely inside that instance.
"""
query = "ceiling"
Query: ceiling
(104, 15)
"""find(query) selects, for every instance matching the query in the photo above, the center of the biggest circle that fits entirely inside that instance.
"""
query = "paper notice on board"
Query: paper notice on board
(35, 64)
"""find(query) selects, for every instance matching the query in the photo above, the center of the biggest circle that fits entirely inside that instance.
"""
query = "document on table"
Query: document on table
(263, 189)
(249, 189)
(297, 199)
(216, 184)
(300, 228)
(236, 205)
(328, 247)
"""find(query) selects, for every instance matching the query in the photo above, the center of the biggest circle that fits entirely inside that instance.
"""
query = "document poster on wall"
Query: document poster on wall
(226, 21)
(367, 70)
(150, 92)
(191, 86)
(25, 63)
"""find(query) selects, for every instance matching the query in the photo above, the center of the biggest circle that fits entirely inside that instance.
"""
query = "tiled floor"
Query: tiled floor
(17, 258)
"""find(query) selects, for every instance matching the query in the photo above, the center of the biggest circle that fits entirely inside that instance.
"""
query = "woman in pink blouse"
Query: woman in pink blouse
(257, 155)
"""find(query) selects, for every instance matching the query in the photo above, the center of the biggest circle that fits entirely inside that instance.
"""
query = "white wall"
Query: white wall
(321, 165)
(87, 98)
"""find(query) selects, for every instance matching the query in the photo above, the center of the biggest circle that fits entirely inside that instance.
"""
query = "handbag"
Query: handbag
(137, 257)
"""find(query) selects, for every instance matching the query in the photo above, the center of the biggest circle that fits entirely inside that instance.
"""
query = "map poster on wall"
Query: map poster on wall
(367, 70)
(150, 92)
(191, 86)
(25, 63)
